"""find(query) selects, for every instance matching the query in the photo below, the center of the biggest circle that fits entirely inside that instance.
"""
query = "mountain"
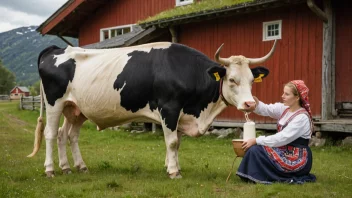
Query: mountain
(19, 50)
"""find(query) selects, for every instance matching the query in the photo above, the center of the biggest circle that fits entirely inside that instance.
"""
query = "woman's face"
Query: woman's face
(288, 98)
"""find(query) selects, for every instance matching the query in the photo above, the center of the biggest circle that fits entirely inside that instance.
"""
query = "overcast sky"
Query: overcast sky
(18, 13)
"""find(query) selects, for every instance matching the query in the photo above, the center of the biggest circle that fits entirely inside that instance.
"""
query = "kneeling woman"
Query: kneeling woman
(284, 156)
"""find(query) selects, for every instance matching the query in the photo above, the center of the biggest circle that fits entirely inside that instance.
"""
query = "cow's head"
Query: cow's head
(237, 78)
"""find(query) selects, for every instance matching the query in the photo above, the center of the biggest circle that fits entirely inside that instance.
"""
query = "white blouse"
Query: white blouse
(298, 127)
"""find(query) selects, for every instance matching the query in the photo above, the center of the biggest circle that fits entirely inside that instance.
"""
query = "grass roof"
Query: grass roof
(196, 7)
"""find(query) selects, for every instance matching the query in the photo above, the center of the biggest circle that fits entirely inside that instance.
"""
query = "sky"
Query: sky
(19, 13)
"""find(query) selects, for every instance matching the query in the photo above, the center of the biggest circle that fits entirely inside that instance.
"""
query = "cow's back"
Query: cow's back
(113, 86)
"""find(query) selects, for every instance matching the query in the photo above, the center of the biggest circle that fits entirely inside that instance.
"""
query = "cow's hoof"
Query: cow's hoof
(83, 170)
(50, 174)
(176, 175)
(67, 171)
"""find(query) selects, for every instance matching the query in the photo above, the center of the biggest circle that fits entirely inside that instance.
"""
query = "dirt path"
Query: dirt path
(7, 119)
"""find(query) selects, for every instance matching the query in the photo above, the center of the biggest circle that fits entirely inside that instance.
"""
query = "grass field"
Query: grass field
(122, 164)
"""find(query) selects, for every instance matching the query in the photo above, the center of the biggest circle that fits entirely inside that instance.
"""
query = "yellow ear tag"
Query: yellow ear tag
(217, 77)
(259, 78)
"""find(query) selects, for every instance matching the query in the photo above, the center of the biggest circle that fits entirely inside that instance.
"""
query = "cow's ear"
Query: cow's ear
(216, 72)
(259, 73)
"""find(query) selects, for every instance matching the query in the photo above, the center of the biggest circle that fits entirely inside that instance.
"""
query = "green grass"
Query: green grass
(196, 7)
(122, 164)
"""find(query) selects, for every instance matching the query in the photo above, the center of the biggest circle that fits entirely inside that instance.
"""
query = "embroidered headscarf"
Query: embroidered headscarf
(303, 94)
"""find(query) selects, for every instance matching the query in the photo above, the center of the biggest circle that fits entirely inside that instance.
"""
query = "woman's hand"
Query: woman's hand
(256, 101)
(248, 143)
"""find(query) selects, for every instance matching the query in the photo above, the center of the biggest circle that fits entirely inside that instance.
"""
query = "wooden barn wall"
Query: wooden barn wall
(343, 71)
(298, 54)
(120, 12)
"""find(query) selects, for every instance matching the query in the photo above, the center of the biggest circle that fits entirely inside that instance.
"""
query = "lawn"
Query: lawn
(124, 164)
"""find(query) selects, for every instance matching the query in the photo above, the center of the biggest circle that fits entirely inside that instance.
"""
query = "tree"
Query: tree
(35, 88)
(7, 80)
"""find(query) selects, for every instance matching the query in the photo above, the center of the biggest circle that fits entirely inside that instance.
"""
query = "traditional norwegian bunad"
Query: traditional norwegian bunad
(285, 156)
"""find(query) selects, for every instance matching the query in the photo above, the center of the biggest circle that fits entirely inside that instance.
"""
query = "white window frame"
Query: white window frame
(265, 30)
(182, 3)
(113, 28)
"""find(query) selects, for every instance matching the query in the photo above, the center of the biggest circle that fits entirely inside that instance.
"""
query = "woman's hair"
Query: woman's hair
(294, 91)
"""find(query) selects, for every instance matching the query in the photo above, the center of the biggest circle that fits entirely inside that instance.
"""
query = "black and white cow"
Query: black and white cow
(165, 83)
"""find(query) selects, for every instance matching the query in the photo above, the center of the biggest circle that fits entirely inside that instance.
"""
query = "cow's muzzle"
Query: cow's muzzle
(248, 106)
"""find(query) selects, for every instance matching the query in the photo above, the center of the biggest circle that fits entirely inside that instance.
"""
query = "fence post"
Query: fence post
(21, 102)
(33, 103)
(153, 127)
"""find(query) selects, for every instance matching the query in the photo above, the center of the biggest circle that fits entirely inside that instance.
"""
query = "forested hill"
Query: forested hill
(19, 50)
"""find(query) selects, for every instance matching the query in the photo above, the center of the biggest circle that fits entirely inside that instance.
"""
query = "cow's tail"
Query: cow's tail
(40, 125)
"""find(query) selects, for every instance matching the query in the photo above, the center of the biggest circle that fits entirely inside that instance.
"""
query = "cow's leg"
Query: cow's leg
(73, 136)
(179, 135)
(171, 142)
(61, 143)
(52, 124)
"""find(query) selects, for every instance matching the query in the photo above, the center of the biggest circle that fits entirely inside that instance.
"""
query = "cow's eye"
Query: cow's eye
(233, 81)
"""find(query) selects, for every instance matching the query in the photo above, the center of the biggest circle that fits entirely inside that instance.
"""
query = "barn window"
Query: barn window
(108, 33)
(183, 2)
(272, 30)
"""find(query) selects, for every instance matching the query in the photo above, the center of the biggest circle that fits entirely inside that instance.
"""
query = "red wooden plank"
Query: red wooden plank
(292, 44)
(299, 38)
(305, 45)
(347, 86)
(268, 95)
(208, 39)
(340, 38)
(234, 38)
(318, 61)
(311, 63)
(284, 49)
(265, 92)
(253, 37)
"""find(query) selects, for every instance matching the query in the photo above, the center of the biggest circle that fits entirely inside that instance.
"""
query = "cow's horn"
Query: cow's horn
(253, 61)
(220, 60)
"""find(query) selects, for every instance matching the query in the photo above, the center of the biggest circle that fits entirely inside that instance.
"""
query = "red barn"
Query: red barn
(17, 92)
(314, 42)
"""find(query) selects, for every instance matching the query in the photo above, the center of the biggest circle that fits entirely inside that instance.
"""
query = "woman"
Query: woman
(284, 156)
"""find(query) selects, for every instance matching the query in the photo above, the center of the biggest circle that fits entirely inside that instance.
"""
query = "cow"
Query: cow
(166, 83)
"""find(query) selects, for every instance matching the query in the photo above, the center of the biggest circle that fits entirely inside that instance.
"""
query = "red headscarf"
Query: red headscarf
(303, 94)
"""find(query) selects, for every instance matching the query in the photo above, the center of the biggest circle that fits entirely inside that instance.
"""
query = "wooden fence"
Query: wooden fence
(5, 98)
(30, 102)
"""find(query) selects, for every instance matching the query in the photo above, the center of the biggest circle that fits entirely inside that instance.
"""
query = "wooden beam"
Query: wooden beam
(323, 16)
(66, 41)
(174, 35)
(347, 128)
(326, 113)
